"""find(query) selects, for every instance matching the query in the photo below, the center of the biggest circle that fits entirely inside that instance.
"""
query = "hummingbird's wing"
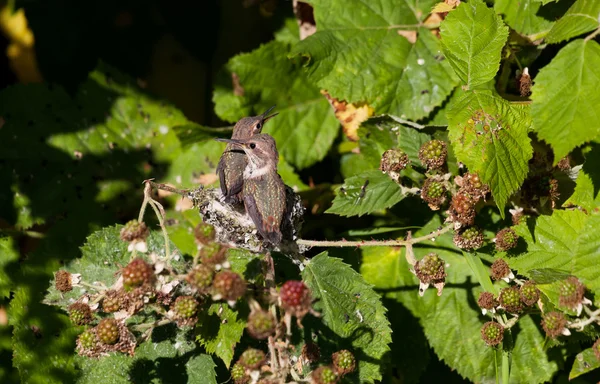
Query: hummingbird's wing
(264, 227)
(231, 183)
(221, 173)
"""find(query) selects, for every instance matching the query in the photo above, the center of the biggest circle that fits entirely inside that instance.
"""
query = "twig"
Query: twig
(374, 243)
(407, 122)
(592, 35)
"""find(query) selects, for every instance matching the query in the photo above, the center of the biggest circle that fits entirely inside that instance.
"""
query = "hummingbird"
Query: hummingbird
(263, 190)
(233, 161)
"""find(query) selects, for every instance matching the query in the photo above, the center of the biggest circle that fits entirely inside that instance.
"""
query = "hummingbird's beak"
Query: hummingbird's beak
(239, 143)
(265, 118)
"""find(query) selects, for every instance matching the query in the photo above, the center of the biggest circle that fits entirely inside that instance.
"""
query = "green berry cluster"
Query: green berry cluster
(393, 161)
(111, 302)
(252, 358)
(212, 254)
(201, 277)
(80, 313)
(108, 331)
(571, 292)
(185, 307)
(433, 193)
(261, 324)
(204, 233)
(88, 339)
(554, 323)
(433, 154)
(343, 362)
(470, 238)
(510, 299)
(506, 239)
(492, 333)
(134, 230)
(430, 269)
(529, 293)
(238, 374)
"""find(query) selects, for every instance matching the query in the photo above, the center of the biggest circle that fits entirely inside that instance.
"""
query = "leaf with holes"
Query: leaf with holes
(489, 135)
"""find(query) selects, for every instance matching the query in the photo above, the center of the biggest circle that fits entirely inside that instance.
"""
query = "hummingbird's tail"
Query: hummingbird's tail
(271, 230)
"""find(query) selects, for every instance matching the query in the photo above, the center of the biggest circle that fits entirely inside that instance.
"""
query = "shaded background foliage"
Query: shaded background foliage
(116, 74)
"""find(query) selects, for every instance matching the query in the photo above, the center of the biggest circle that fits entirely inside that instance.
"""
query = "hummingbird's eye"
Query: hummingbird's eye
(258, 127)
(252, 145)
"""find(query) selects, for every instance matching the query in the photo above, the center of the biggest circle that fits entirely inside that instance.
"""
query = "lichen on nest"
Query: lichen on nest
(234, 227)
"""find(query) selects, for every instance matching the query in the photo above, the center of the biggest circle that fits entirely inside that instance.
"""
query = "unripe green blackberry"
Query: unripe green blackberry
(261, 324)
(470, 238)
(108, 331)
(136, 273)
(204, 233)
(111, 302)
(554, 324)
(433, 154)
(487, 301)
(212, 254)
(596, 349)
(63, 281)
(571, 292)
(510, 300)
(88, 339)
(238, 374)
(324, 375)
(529, 293)
(430, 269)
(252, 358)
(229, 285)
(433, 193)
(185, 307)
(134, 230)
(492, 333)
(501, 270)
(506, 239)
(80, 313)
(393, 161)
(343, 362)
(201, 277)
(295, 298)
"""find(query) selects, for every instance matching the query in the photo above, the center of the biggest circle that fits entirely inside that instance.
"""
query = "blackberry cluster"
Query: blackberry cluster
(295, 298)
(433, 154)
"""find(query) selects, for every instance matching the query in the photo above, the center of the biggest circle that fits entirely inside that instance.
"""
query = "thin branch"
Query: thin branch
(592, 35)
(407, 122)
(374, 243)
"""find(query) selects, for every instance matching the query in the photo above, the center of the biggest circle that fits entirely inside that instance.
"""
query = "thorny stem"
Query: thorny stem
(407, 122)
(374, 243)
(410, 254)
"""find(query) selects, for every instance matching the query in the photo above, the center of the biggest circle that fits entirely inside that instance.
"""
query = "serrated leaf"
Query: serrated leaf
(359, 197)
(221, 330)
(565, 98)
(571, 233)
(489, 135)
(378, 54)
(201, 369)
(464, 350)
(587, 183)
(585, 362)
(305, 127)
(523, 16)
(336, 285)
(472, 40)
(581, 17)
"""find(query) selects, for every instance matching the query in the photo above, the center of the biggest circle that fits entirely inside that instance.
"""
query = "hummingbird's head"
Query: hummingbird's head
(260, 149)
(250, 126)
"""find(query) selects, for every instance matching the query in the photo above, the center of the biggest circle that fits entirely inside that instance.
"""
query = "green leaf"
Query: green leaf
(565, 98)
(472, 39)
(193, 133)
(8, 258)
(463, 351)
(585, 362)
(306, 125)
(220, 331)
(489, 136)
(343, 294)
(582, 17)
(523, 16)
(380, 192)
(366, 56)
(289, 176)
(197, 160)
(571, 233)
(201, 369)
